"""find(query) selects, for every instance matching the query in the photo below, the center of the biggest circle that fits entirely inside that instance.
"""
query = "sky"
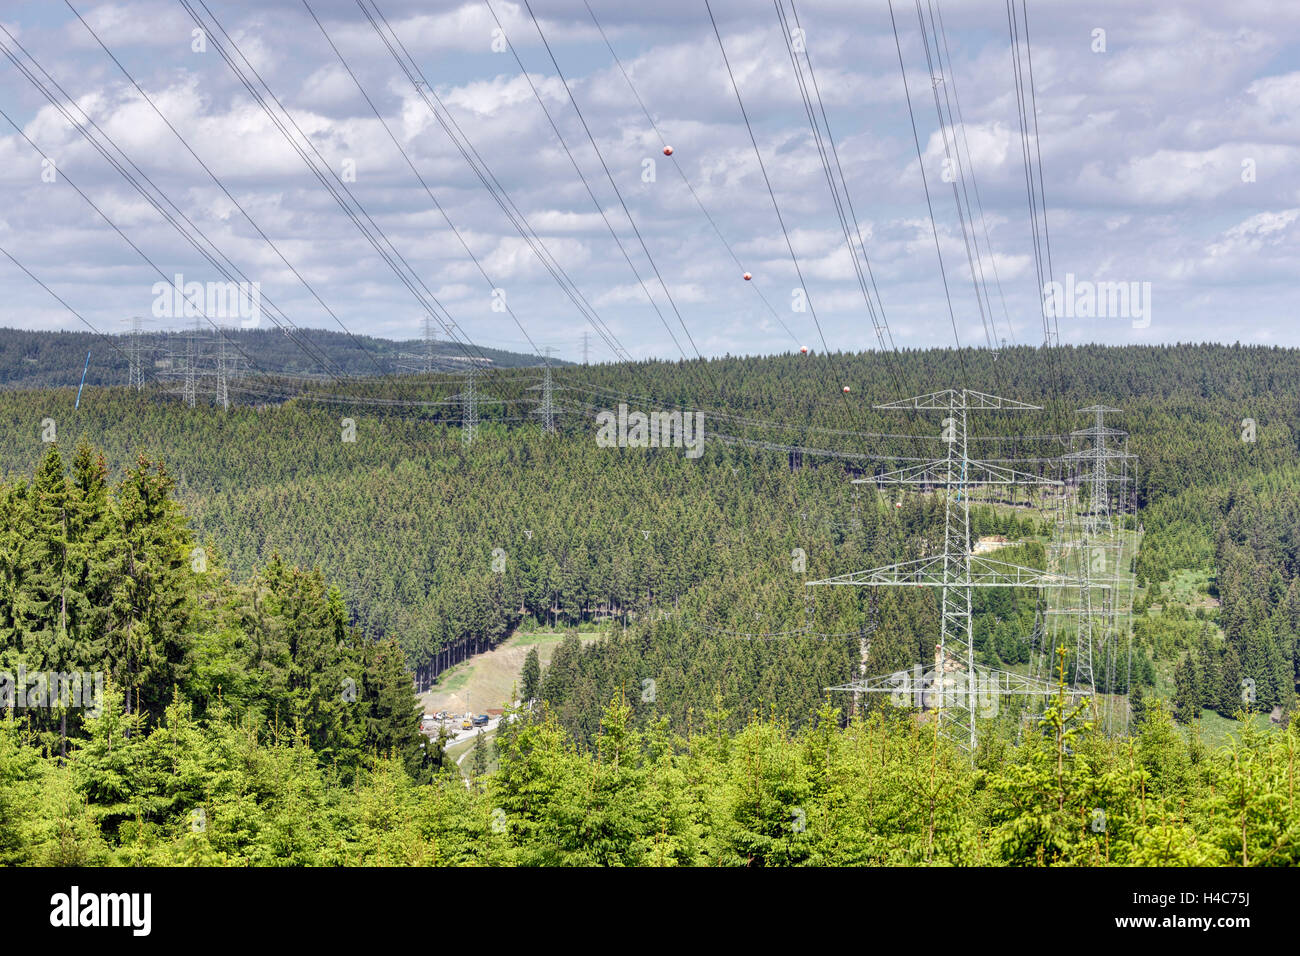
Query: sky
(1169, 135)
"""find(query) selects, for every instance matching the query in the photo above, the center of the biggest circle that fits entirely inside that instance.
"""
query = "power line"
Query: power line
(938, 8)
(682, 173)
(586, 185)
(608, 175)
(447, 121)
(858, 252)
(450, 324)
(406, 156)
(920, 160)
(767, 181)
(81, 129)
(386, 249)
(318, 355)
(68, 179)
(935, 83)
(1051, 330)
(876, 309)
(1038, 143)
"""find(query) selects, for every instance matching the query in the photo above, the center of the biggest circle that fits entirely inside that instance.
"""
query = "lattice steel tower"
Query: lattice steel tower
(135, 355)
(223, 387)
(426, 360)
(1096, 458)
(469, 408)
(1103, 469)
(955, 687)
(191, 389)
(547, 408)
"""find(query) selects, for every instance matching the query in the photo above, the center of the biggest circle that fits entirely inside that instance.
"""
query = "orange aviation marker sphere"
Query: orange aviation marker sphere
(846, 389)
(748, 277)
(668, 150)
(803, 349)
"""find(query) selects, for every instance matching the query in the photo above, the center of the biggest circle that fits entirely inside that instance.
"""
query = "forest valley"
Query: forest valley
(261, 599)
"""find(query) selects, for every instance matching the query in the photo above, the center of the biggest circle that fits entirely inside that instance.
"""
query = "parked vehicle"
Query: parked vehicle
(466, 723)
(481, 720)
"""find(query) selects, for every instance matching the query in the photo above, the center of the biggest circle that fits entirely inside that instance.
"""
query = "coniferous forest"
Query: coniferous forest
(261, 592)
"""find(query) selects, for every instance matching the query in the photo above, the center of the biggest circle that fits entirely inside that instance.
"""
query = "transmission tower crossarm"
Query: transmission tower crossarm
(935, 571)
(967, 398)
(908, 681)
(974, 473)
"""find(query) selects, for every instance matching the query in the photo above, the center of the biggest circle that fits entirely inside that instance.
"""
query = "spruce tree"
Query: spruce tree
(1187, 696)
(479, 760)
(1137, 706)
(532, 676)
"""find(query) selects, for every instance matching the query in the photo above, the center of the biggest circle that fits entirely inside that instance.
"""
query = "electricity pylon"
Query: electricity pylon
(547, 388)
(427, 359)
(469, 408)
(1103, 469)
(1096, 458)
(223, 385)
(955, 687)
(191, 389)
(135, 355)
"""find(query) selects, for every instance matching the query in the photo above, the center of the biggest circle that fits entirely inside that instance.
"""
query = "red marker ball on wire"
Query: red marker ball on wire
(668, 150)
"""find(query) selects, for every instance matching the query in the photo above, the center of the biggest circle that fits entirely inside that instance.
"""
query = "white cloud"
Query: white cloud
(1142, 151)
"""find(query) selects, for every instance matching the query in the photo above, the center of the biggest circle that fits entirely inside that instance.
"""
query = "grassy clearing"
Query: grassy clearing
(489, 679)
(1217, 731)
(462, 748)
(1191, 588)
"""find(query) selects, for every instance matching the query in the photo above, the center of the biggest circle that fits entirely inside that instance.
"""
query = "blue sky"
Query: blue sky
(1170, 158)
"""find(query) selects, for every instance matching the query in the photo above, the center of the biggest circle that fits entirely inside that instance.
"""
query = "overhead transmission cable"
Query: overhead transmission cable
(335, 185)
(682, 173)
(228, 270)
(609, 176)
(424, 89)
(920, 160)
(1051, 331)
(845, 213)
(944, 125)
(975, 186)
(199, 306)
(586, 185)
(768, 182)
(407, 157)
